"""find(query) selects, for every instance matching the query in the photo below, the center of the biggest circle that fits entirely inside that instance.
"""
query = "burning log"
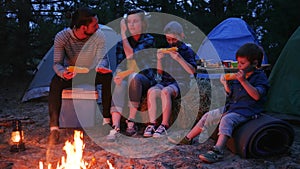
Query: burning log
(74, 152)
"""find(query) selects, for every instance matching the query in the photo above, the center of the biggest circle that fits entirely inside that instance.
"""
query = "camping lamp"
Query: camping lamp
(17, 137)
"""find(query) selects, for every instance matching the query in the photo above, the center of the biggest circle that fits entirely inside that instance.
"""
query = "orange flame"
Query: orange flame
(15, 137)
(109, 164)
(74, 155)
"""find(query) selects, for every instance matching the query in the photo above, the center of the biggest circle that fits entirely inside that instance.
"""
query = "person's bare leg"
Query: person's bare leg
(132, 112)
(131, 127)
(221, 142)
(166, 100)
(152, 95)
(116, 118)
(194, 132)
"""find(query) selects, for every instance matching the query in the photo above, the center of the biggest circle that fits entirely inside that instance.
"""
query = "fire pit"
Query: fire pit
(74, 152)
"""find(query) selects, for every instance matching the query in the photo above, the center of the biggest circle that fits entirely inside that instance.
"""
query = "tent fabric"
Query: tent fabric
(284, 93)
(39, 86)
(262, 137)
(225, 39)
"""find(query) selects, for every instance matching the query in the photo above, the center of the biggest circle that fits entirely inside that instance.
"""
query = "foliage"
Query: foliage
(30, 25)
(283, 21)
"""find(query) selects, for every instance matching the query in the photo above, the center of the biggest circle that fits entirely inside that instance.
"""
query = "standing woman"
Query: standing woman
(134, 41)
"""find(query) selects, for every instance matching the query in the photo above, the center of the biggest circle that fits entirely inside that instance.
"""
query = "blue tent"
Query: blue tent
(225, 39)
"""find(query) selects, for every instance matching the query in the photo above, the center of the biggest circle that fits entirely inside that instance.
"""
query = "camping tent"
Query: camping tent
(225, 39)
(39, 86)
(284, 94)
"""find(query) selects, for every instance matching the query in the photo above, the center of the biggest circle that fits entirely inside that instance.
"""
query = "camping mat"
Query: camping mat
(261, 137)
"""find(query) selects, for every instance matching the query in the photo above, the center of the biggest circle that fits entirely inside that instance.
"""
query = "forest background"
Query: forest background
(28, 27)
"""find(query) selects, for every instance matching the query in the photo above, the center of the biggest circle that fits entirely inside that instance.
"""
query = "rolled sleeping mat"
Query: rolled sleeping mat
(261, 137)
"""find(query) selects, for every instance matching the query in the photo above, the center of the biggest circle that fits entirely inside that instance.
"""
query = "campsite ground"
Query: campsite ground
(36, 129)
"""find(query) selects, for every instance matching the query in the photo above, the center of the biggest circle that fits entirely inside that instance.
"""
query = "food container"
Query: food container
(227, 63)
(234, 64)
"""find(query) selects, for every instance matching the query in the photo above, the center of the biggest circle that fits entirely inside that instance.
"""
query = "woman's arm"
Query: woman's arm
(127, 48)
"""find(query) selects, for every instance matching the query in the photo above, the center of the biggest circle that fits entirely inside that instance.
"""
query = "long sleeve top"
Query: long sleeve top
(70, 51)
(144, 42)
(239, 101)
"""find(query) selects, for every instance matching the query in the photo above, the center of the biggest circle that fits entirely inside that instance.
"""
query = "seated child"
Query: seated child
(174, 69)
(246, 97)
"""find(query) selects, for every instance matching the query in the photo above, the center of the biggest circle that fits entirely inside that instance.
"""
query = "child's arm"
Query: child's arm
(187, 67)
(160, 55)
(251, 90)
(225, 84)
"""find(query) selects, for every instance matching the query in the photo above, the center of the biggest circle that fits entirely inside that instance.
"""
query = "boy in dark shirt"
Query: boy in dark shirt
(246, 98)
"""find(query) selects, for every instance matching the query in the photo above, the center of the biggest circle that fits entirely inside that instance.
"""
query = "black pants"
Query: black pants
(58, 84)
(138, 88)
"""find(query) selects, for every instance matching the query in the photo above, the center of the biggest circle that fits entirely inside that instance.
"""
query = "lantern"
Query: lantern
(17, 137)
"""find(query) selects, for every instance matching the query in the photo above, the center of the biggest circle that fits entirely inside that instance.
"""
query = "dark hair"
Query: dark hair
(82, 16)
(252, 52)
(143, 15)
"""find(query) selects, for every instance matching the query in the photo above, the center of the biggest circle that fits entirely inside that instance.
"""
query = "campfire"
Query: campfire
(74, 152)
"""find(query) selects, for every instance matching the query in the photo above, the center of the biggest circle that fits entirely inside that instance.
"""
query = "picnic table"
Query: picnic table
(213, 72)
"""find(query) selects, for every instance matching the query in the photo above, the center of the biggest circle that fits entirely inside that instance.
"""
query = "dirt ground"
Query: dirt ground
(97, 150)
